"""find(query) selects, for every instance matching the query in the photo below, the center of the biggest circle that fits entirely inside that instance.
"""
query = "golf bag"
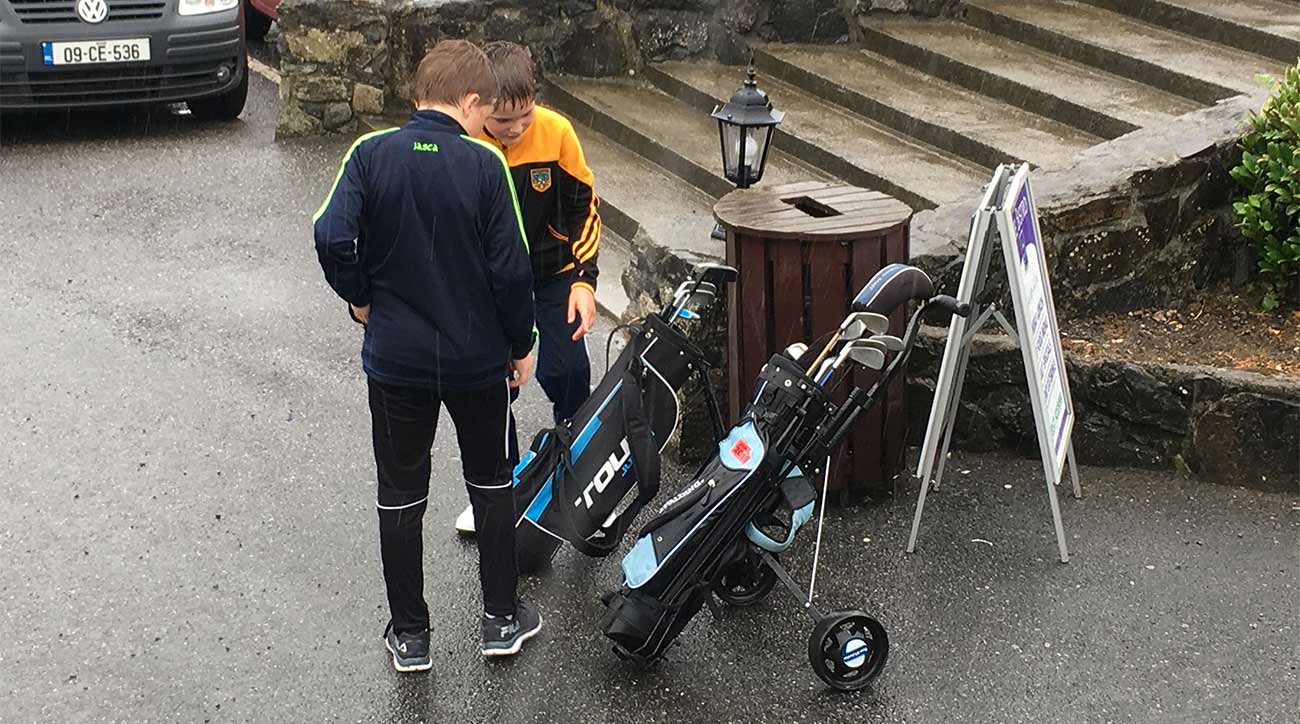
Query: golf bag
(584, 481)
(710, 539)
(669, 573)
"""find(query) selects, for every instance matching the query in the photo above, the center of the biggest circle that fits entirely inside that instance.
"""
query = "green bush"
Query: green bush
(1269, 213)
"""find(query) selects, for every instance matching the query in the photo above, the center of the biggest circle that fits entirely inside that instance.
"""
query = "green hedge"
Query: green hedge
(1269, 212)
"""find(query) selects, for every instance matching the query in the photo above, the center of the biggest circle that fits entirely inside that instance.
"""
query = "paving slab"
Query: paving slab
(980, 129)
(1196, 68)
(1094, 100)
(861, 152)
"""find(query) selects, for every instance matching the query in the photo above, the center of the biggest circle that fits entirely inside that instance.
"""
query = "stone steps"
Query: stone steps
(1197, 69)
(979, 129)
(1001, 69)
(1267, 27)
(662, 129)
(850, 147)
(919, 108)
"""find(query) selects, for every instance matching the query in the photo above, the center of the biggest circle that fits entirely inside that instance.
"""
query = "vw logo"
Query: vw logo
(92, 11)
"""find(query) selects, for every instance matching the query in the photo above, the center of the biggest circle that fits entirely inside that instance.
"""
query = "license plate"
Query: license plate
(132, 50)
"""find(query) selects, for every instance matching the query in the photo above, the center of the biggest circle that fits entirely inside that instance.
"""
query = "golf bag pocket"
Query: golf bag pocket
(697, 506)
(642, 626)
(798, 495)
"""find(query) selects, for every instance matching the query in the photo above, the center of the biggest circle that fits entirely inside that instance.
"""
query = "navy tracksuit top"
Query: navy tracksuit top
(423, 224)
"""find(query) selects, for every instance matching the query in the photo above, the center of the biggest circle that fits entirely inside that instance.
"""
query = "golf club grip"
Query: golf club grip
(951, 305)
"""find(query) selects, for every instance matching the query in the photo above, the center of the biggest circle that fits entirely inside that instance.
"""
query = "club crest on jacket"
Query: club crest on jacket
(541, 179)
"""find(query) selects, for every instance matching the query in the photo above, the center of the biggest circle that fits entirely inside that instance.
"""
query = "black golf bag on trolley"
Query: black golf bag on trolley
(584, 481)
(715, 536)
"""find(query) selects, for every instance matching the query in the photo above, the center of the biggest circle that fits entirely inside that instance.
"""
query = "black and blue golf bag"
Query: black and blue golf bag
(714, 536)
(585, 480)
(669, 573)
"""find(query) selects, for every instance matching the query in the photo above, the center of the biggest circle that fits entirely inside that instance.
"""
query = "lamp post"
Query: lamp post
(745, 127)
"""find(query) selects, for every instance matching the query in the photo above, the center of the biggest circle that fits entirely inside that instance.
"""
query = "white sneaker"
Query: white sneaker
(465, 522)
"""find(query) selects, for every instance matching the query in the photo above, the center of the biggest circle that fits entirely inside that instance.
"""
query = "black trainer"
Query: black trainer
(410, 650)
(505, 635)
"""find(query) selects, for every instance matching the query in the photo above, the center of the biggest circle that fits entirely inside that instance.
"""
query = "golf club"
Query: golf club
(891, 343)
(854, 326)
(863, 353)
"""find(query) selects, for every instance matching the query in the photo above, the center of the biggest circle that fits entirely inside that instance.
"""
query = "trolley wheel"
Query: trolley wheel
(848, 649)
(745, 581)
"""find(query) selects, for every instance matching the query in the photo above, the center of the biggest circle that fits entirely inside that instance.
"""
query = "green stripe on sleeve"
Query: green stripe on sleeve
(514, 196)
(514, 199)
(337, 177)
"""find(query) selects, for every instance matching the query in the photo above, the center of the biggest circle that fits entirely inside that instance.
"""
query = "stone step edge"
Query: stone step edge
(978, 80)
(644, 146)
(1111, 61)
(809, 153)
(1206, 27)
(931, 134)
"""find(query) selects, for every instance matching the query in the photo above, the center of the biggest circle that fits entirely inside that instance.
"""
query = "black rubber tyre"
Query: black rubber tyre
(746, 581)
(224, 107)
(847, 649)
(256, 25)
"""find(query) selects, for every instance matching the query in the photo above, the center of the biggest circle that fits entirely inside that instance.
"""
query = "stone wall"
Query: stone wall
(346, 61)
(1140, 221)
(1229, 427)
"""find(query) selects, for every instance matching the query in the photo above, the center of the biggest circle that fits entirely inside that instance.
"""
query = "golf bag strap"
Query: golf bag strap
(645, 460)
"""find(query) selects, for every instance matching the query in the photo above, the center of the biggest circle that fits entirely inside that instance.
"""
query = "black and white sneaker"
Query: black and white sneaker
(410, 650)
(505, 635)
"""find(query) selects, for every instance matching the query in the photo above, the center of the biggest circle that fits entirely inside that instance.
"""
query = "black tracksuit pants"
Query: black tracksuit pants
(404, 420)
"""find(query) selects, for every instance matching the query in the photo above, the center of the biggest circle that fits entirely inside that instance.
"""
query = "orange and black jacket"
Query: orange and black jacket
(557, 198)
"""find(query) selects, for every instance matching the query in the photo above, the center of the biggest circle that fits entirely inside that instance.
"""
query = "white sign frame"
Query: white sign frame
(1038, 338)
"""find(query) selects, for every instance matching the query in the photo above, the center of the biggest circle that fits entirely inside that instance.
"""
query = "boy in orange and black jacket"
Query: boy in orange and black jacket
(559, 205)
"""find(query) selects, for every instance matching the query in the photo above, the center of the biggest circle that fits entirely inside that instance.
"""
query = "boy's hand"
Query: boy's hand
(582, 306)
(360, 314)
(522, 369)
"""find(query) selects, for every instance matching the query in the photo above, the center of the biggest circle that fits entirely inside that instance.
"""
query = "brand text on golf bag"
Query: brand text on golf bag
(606, 474)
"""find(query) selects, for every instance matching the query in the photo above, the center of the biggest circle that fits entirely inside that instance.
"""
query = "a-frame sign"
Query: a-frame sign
(1006, 214)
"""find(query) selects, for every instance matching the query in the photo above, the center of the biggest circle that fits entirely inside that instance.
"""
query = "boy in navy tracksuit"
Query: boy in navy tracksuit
(421, 235)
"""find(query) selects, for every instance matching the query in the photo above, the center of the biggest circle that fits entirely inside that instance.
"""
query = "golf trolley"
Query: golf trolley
(714, 538)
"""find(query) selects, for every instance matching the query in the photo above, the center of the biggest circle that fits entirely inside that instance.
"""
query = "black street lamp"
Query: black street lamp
(745, 127)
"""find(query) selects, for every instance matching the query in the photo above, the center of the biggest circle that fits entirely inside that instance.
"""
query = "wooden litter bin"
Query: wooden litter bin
(803, 251)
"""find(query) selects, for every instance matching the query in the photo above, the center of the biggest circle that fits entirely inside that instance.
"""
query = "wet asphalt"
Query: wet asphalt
(187, 532)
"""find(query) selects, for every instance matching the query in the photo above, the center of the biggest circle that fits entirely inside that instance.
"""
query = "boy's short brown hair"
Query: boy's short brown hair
(516, 72)
(452, 70)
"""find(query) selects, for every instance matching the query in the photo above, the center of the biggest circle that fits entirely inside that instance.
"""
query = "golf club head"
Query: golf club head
(716, 274)
(860, 324)
(864, 355)
(891, 343)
